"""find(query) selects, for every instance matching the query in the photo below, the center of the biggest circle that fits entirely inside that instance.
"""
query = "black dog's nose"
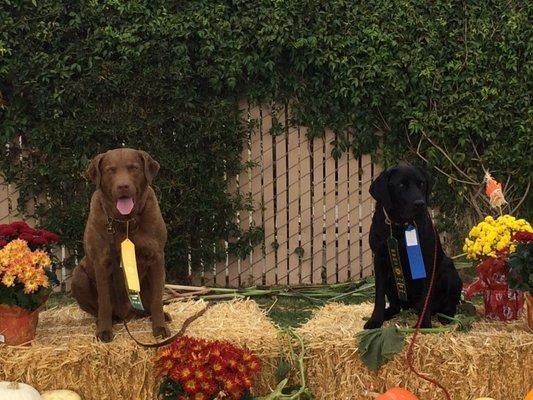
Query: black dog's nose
(419, 204)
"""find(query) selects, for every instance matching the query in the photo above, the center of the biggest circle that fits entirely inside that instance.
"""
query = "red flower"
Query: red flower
(39, 240)
(20, 225)
(208, 387)
(523, 236)
(7, 230)
(191, 386)
(49, 236)
(254, 365)
(236, 395)
(184, 372)
(28, 237)
(28, 230)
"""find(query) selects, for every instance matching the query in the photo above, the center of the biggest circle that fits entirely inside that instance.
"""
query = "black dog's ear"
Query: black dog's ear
(379, 189)
(93, 170)
(429, 181)
(151, 166)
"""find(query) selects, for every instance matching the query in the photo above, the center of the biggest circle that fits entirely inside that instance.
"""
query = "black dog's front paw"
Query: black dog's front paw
(391, 312)
(373, 324)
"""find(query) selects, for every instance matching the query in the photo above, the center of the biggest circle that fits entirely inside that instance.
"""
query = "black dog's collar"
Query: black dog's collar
(390, 222)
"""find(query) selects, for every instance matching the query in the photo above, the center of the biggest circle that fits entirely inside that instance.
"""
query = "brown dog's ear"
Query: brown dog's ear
(93, 170)
(151, 166)
(379, 189)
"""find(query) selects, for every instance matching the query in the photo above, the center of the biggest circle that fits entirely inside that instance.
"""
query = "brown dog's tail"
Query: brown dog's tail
(170, 339)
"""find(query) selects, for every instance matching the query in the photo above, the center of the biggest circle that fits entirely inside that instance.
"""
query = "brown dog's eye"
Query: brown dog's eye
(133, 167)
(111, 170)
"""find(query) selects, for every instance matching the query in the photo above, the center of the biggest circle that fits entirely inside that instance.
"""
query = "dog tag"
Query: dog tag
(414, 253)
(128, 262)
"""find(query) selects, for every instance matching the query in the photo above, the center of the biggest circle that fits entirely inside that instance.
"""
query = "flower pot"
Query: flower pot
(529, 310)
(17, 325)
(503, 304)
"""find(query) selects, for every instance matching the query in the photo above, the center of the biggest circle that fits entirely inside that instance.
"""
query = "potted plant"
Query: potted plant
(24, 280)
(490, 243)
(196, 369)
(520, 270)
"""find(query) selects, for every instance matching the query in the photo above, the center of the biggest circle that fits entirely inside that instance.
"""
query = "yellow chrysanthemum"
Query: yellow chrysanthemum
(19, 264)
(493, 235)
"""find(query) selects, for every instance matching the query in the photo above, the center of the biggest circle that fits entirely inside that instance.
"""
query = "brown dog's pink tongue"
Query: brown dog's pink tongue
(125, 205)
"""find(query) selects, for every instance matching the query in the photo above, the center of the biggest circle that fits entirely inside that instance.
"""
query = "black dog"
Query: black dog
(402, 195)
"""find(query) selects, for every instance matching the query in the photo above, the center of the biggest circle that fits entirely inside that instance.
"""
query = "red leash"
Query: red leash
(409, 354)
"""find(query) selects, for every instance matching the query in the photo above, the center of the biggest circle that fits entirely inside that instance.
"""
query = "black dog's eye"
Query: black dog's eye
(402, 185)
(421, 183)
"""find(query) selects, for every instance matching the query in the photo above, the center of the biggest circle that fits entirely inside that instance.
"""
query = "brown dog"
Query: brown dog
(123, 194)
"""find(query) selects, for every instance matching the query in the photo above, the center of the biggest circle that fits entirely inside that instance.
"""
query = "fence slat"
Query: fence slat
(318, 209)
(342, 212)
(330, 178)
(269, 265)
(353, 203)
(281, 202)
(256, 257)
(294, 199)
(367, 204)
(305, 207)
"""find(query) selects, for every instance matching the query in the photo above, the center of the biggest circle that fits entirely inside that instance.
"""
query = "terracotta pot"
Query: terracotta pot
(17, 325)
(529, 310)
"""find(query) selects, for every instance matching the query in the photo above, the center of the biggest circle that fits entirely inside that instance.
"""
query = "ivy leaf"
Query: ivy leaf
(377, 346)
(283, 370)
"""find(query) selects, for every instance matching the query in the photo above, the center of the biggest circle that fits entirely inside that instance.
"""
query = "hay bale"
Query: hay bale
(66, 355)
(493, 359)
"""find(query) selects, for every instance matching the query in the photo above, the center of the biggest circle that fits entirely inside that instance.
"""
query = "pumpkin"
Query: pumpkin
(529, 396)
(397, 394)
(60, 395)
(18, 391)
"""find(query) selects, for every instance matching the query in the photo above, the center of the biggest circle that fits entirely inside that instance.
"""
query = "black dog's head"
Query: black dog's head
(403, 191)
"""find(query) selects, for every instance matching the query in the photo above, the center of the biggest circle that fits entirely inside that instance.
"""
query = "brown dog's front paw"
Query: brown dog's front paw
(161, 331)
(104, 336)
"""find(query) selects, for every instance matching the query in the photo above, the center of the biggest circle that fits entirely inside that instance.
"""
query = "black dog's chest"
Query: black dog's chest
(413, 286)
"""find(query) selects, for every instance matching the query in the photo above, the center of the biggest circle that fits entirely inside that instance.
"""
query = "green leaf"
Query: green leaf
(283, 370)
(377, 346)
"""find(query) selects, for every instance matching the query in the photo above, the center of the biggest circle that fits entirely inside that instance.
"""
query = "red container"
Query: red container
(17, 325)
(503, 304)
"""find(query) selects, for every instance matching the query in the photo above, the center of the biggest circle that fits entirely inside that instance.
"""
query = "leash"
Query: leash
(121, 293)
(170, 339)
(409, 353)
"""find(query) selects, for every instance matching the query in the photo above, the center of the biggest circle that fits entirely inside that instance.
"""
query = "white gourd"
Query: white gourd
(18, 391)
(60, 395)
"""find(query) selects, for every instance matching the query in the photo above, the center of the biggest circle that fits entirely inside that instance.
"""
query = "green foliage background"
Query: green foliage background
(79, 77)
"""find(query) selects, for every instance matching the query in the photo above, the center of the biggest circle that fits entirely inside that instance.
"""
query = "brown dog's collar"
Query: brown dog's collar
(130, 224)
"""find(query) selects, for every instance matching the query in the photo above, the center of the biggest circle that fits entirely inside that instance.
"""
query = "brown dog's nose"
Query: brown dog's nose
(123, 186)
(419, 204)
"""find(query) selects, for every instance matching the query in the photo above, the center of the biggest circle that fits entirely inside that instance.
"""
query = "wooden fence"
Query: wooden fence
(315, 210)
